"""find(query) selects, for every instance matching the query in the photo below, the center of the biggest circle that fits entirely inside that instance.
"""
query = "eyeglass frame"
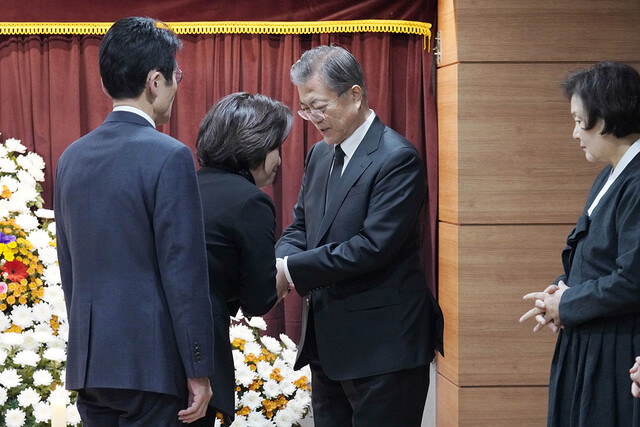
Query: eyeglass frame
(307, 115)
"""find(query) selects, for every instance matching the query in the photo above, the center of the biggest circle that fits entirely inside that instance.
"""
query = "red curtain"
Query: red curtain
(50, 95)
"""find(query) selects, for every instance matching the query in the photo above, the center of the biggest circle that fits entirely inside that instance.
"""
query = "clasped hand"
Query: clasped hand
(546, 307)
(283, 287)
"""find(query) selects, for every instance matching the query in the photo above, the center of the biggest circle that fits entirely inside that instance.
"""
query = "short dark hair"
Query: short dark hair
(610, 91)
(241, 129)
(131, 48)
(336, 66)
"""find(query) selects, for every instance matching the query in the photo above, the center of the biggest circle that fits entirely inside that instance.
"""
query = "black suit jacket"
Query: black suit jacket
(132, 258)
(239, 224)
(357, 264)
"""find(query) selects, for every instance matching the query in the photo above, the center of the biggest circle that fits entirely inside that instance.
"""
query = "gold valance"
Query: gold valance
(231, 27)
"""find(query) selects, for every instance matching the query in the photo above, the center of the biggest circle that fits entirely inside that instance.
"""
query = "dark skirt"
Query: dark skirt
(589, 383)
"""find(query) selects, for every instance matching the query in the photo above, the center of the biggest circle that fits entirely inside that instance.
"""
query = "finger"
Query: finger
(540, 304)
(534, 295)
(553, 327)
(530, 314)
(538, 327)
(551, 288)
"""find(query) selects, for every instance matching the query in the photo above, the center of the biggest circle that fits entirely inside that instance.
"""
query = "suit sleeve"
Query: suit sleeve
(254, 233)
(294, 237)
(617, 293)
(180, 245)
(395, 202)
(62, 248)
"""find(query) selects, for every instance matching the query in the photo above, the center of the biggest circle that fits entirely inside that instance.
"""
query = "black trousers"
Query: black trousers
(108, 407)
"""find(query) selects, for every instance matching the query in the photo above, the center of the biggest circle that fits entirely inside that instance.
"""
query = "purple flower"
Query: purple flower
(6, 238)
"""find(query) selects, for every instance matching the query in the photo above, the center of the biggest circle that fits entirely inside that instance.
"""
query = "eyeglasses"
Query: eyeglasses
(179, 74)
(317, 114)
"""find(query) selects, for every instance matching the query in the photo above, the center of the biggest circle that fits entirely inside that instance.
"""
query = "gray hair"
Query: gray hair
(335, 65)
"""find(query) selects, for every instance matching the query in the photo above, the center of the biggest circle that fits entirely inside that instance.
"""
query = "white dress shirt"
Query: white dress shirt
(135, 110)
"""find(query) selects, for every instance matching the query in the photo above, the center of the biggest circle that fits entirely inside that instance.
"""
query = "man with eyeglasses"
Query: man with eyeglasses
(131, 250)
(370, 324)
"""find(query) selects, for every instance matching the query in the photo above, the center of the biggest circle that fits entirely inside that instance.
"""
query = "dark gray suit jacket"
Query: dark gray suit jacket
(132, 257)
(357, 264)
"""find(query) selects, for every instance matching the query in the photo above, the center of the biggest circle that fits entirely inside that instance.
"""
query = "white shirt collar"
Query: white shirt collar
(350, 145)
(622, 164)
(135, 110)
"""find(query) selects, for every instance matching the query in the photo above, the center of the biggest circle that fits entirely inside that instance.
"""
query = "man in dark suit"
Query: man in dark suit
(131, 247)
(369, 320)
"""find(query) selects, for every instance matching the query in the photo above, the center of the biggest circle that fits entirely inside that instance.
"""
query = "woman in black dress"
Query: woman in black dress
(238, 148)
(595, 304)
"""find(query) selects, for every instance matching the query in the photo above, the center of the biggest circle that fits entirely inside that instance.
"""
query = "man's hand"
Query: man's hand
(282, 284)
(635, 378)
(199, 395)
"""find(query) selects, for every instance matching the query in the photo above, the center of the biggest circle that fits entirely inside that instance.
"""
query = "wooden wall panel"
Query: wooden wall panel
(515, 160)
(490, 406)
(484, 272)
(539, 31)
(447, 105)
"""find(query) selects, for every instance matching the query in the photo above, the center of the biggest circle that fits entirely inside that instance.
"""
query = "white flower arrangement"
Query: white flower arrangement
(269, 392)
(33, 317)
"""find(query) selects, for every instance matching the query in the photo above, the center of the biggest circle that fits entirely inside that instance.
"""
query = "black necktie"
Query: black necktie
(334, 178)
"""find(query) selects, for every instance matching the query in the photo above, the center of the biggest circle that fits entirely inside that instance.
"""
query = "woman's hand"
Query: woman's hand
(635, 378)
(546, 307)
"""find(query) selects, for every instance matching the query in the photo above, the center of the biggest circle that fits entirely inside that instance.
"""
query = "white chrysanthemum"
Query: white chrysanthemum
(244, 375)
(22, 316)
(15, 145)
(10, 378)
(252, 399)
(26, 178)
(252, 348)
(5, 321)
(306, 371)
(3, 151)
(289, 356)
(3, 356)
(239, 421)
(73, 416)
(300, 404)
(39, 238)
(271, 389)
(11, 339)
(44, 213)
(41, 312)
(272, 344)
(4, 208)
(24, 162)
(7, 165)
(28, 397)
(48, 255)
(3, 396)
(257, 322)
(42, 412)
(14, 418)
(53, 294)
(55, 354)
(27, 221)
(238, 358)
(256, 419)
(63, 331)
(285, 418)
(52, 228)
(242, 332)
(264, 369)
(26, 193)
(288, 342)
(15, 205)
(51, 275)
(238, 317)
(30, 342)
(10, 182)
(42, 377)
(287, 388)
(26, 358)
(36, 173)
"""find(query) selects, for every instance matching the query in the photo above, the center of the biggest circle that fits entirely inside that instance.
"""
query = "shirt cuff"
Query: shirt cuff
(286, 270)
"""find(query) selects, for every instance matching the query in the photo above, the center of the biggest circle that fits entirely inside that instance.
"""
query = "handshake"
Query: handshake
(283, 286)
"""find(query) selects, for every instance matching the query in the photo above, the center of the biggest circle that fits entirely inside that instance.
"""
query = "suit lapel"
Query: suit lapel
(357, 165)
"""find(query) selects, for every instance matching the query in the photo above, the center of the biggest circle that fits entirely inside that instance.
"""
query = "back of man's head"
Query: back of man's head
(131, 48)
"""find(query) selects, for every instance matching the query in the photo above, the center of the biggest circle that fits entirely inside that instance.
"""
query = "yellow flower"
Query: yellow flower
(11, 300)
(244, 411)
(3, 306)
(6, 193)
(22, 300)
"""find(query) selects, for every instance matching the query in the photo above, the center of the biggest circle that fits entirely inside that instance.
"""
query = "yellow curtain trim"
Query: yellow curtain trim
(232, 27)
